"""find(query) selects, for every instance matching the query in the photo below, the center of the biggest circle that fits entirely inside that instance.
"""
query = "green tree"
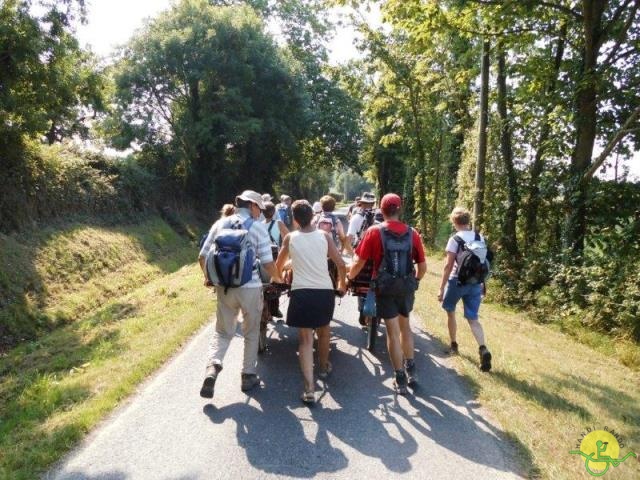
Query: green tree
(207, 82)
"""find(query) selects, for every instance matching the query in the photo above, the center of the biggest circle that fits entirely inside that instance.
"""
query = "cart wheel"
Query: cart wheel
(262, 339)
(372, 333)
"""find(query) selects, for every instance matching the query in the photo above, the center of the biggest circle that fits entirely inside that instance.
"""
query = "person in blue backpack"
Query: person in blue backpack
(283, 211)
(229, 260)
(462, 283)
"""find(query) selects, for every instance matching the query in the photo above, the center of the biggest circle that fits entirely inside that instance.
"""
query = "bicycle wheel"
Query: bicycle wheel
(372, 333)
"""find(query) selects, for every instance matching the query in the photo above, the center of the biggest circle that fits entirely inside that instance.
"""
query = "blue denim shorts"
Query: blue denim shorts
(471, 296)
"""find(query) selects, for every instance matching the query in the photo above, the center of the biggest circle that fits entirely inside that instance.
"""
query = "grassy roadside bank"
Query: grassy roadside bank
(113, 334)
(545, 387)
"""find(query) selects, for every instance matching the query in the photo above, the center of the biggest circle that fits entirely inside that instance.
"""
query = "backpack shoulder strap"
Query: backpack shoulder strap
(478, 238)
(247, 223)
(459, 241)
(269, 230)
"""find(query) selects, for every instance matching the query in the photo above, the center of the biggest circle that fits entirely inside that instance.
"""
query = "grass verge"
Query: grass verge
(56, 389)
(545, 388)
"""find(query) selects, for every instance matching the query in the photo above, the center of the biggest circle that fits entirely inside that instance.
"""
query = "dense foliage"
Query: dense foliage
(511, 108)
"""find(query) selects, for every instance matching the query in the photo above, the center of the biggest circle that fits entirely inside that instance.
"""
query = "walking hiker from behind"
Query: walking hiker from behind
(283, 211)
(463, 279)
(277, 231)
(394, 246)
(312, 294)
(362, 219)
(228, 260)
(326, 220)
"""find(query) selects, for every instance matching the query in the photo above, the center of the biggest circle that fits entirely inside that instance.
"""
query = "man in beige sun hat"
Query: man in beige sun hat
(246, 298)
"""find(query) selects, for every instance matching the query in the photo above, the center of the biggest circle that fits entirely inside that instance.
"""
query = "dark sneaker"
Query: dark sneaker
(453, 349)
(485, 359)
(400, 383)
(249, 380)
(206, 391)
(410, 368)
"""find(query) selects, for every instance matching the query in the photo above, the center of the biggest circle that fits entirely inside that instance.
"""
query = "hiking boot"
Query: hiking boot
(206, 391)
(485, 359)
(249, 380)
(410, 368)
(453, 349)
(400, 382)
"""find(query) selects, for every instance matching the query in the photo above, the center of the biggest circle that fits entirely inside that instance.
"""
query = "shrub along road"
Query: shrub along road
(358, 428)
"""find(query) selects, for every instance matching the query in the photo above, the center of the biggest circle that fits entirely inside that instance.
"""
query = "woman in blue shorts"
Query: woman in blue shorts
(451, 291)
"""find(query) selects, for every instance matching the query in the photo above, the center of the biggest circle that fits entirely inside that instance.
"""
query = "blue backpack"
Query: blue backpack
(232, 258)
(285, 215)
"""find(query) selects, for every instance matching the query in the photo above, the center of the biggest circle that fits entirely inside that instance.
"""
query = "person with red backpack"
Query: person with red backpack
(394, 247)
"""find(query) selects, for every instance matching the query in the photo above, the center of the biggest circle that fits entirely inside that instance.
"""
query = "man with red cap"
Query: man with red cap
(394, 247)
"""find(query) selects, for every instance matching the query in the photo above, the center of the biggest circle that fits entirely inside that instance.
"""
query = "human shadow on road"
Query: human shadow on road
(359, 408)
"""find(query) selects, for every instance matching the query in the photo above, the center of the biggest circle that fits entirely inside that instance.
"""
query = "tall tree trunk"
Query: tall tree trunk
(478, 201)
(509, 239)
(420, 193)
(585, 125)
(436, 182)
(533, 202)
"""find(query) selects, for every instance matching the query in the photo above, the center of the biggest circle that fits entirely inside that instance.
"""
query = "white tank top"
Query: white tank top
(308, 252)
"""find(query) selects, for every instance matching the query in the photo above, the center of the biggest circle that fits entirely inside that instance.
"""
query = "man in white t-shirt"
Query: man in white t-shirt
(451, 291)
(356, 230)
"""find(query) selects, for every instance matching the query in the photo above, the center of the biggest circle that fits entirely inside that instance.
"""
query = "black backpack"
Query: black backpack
(395, 274)
(474, 262)
(369, 220)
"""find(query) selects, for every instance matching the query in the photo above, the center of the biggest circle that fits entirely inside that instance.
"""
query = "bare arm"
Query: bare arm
(356, 267)
(283, 256)
(202, 261)
(448, 266)
(283, 229)
(337, 259)
(422, 269)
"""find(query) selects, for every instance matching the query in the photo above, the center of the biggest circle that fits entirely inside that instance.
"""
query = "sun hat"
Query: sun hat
(317, 207)
(266, 197)
(368, 197)
(253, 197)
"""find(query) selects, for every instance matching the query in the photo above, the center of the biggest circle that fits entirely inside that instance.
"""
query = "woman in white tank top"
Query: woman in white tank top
(312, 295)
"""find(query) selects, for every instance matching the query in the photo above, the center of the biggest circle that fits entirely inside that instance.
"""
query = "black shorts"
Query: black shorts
(390, 306)
(310, 308)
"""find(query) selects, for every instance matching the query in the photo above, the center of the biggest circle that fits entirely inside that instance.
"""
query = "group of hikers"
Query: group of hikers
(256, 241)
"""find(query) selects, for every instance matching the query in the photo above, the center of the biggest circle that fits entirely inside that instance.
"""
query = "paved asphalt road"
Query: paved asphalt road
(358, 429)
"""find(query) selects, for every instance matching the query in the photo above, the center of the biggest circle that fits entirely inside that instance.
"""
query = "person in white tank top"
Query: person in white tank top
(312, 295)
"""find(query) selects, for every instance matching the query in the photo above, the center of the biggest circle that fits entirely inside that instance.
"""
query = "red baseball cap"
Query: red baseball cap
(390, 202)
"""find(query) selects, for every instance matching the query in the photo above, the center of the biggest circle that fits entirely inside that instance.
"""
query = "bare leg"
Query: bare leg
(324, 335)
(453, 327)
(393, 342)
(476, 329)
(305, 356)
(406, 338)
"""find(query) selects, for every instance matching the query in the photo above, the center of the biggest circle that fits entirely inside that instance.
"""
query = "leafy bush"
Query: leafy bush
(60, 181)
(600, 291)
